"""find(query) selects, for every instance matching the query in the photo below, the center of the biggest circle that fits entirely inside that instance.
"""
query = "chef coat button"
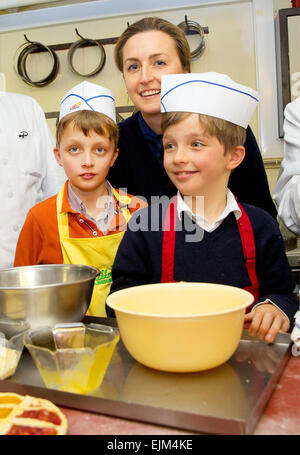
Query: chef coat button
(10, 194)
(4, 161)
(81, 220)
(16, 228)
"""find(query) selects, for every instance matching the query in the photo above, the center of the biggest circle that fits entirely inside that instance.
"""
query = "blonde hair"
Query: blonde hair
(155, 23)
(87, 121)
(227, 133)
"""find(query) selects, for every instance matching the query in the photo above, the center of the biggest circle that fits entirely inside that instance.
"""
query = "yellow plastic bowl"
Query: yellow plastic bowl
(180, 327)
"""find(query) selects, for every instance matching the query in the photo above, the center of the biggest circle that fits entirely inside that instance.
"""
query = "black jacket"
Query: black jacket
(138, 171)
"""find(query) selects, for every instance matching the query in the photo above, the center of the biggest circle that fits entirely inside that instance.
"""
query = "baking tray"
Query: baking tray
(225, 400)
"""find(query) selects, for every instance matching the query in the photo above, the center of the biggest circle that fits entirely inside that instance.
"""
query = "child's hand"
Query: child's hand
(266, 321)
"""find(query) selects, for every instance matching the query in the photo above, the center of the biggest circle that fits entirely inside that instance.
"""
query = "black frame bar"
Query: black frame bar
(283, 63)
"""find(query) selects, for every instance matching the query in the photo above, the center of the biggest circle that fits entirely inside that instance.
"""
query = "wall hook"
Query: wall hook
(78, 34)
(28, 40)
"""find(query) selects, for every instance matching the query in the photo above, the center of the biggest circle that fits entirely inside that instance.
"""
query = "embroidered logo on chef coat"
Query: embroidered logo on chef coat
(23, 134)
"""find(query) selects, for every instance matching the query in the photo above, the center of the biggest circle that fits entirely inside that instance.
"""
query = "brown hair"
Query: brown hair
(155, 23)
(227, 133)
(87, 121)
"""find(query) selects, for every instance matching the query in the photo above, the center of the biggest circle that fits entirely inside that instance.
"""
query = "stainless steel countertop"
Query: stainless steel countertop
(225, 400)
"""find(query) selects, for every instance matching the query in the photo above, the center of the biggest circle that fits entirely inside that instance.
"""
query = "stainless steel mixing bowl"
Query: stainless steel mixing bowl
(46, 294)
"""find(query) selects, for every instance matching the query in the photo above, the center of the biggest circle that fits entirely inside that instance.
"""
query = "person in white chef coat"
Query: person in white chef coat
(287, 190)
(28, 170)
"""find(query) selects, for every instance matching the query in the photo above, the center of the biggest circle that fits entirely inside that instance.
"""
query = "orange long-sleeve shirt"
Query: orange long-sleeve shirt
(39, 243)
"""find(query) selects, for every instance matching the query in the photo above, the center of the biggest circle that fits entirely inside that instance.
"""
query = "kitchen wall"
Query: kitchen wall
(230, 48)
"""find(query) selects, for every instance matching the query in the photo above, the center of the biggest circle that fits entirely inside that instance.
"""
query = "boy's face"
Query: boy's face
(86, 159)
(194, 161)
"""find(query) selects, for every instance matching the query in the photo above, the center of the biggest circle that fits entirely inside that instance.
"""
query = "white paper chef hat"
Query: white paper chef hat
(210, 94)
(90, 97)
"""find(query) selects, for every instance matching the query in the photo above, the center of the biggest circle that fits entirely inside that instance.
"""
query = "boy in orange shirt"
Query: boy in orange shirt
(85, 222)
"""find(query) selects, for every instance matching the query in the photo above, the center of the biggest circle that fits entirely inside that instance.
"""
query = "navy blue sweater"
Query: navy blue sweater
(139, 171)
(217, 258)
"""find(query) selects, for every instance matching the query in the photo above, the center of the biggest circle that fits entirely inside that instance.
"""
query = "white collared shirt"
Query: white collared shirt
(104, 219)
(231, 206)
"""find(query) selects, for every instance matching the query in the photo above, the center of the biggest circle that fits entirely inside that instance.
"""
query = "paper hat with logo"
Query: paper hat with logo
(90, 97)
(210, 94)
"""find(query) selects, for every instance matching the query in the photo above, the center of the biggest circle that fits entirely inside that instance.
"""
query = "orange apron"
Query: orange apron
(98, 252)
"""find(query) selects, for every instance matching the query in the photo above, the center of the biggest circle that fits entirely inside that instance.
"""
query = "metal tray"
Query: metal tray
(225, 400)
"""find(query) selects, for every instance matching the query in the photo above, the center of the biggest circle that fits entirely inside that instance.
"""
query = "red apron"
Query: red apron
(247, 238)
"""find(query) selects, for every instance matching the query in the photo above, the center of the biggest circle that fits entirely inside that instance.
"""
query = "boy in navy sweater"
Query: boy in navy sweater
(204, 234)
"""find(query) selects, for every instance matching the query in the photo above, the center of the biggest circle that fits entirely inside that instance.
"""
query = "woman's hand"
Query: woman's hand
(266, 321)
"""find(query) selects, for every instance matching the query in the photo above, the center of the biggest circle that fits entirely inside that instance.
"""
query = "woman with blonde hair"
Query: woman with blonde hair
(144, 52)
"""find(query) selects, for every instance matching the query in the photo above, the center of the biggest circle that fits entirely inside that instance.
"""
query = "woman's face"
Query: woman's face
(146, 57)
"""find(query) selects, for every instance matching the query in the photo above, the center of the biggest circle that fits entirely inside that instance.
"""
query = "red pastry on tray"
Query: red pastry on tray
(27, 415)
